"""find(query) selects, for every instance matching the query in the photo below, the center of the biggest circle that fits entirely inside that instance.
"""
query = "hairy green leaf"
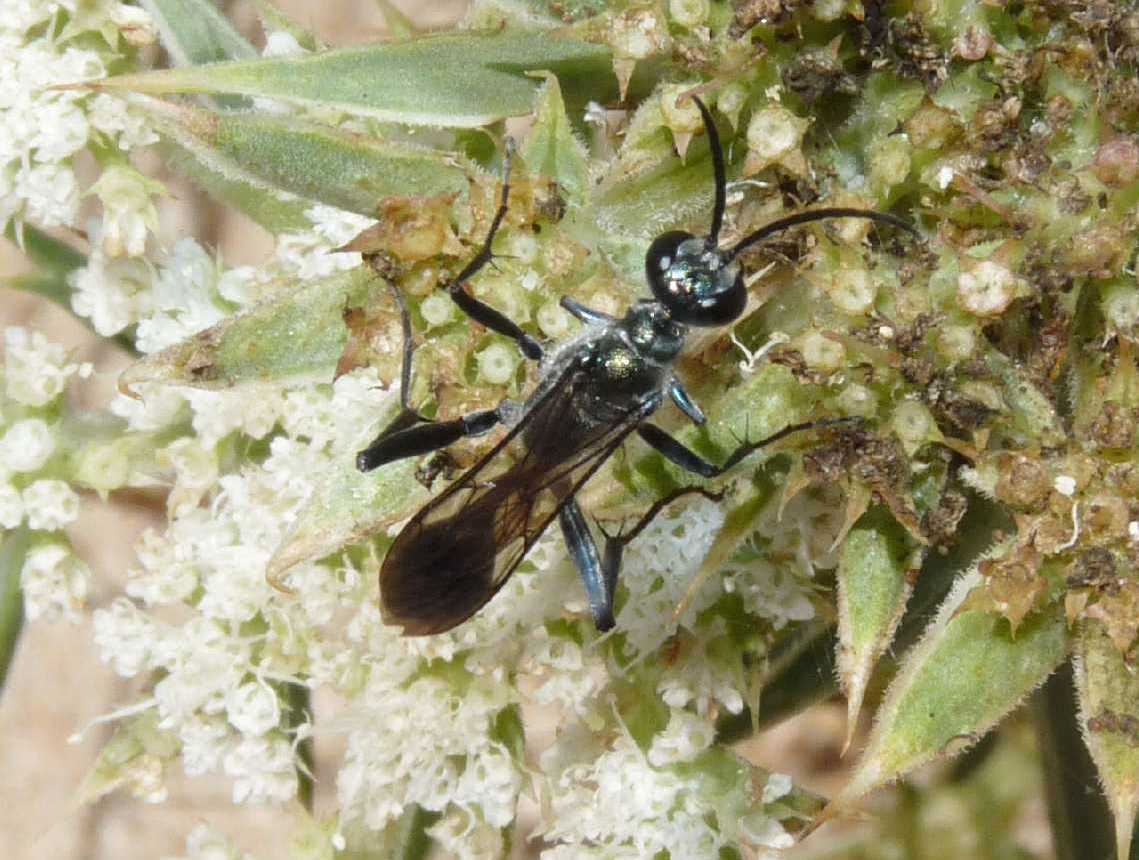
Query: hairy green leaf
(872, 594)
(552, 150)
(311, 162)
(299, 335)
(453, 80)
(1109, 715)
(966, 673)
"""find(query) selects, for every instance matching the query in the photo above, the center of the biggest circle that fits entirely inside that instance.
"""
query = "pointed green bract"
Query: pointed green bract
(348, 507)
(13, 549)
(194, 32)
(552, 150)
(1108, 692)
(966, 673)
(299, 335)
(872, 595)
(284, 156)
(455, 80)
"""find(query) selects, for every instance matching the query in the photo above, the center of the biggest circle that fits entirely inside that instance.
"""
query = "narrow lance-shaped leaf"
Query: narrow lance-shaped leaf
(190, 153)
(349, 506)
(454, 80)
(273, 18)
(13, 549)
(872, 592)
(552, 150)
(966, 673)
(299, 335)
(195, 32)
(1109, 716)
(344, 169)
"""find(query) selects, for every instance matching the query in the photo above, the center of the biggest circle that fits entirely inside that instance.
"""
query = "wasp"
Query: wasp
(592, 394)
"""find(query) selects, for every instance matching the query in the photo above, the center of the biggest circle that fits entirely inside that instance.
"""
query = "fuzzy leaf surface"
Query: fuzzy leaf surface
(966, 673)
(299, 335)
(1109, 716)
(455, 80)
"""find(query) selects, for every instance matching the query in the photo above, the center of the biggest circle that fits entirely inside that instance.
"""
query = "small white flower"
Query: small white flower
(35, 370)
(111, 293)
(54, 582)
(206, 843)
(26, 446)
(11, 507)
(128, 213)
(125, 637)
(685, 737)
(263, 770)
(50, 504)
(253, 708)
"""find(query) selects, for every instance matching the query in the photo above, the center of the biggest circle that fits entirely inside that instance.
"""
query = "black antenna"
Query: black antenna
(817, 215)
(718, 170)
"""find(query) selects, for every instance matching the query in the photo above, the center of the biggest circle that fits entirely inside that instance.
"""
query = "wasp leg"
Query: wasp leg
(615, 543)
(479, 311)
(423, 438)
(598, 586)
(684, 402)
(684, 457)
(586, 315)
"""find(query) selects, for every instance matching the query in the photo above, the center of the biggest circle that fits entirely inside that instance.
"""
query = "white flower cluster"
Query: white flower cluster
(42, 129)
(32, 495)
(619, 802)
(206, 843)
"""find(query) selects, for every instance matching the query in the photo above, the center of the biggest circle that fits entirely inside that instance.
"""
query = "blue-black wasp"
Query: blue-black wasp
(593, 392)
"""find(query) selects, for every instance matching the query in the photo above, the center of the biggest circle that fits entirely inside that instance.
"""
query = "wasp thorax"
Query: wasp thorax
(653, 331)
(694, 280)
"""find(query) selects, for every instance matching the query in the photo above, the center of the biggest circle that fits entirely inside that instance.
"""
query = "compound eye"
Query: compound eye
(662, 255)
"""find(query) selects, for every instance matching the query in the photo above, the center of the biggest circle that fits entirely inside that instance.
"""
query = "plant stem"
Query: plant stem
(1081, 822)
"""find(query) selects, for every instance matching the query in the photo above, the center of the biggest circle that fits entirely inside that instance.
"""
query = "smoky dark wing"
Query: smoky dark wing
(460, 548)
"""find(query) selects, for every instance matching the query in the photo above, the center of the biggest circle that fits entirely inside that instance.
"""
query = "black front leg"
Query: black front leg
(479, 311)
(684, 457)
(398, 442)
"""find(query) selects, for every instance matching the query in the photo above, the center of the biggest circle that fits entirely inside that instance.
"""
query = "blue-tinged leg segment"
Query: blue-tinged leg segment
(684, 402)
(599, 587)
(587, 315)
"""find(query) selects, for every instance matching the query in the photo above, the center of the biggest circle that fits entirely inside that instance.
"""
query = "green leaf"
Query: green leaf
(1078, 815)
(399, 25)
(872, 594)
(552, 150)
(347, 507)
(313, 162)
(1108, 692)
(966, 673)
(273, 18)
(275, 210)
(13, 549)
(453, 80)
(195, 32)
(299, 335)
